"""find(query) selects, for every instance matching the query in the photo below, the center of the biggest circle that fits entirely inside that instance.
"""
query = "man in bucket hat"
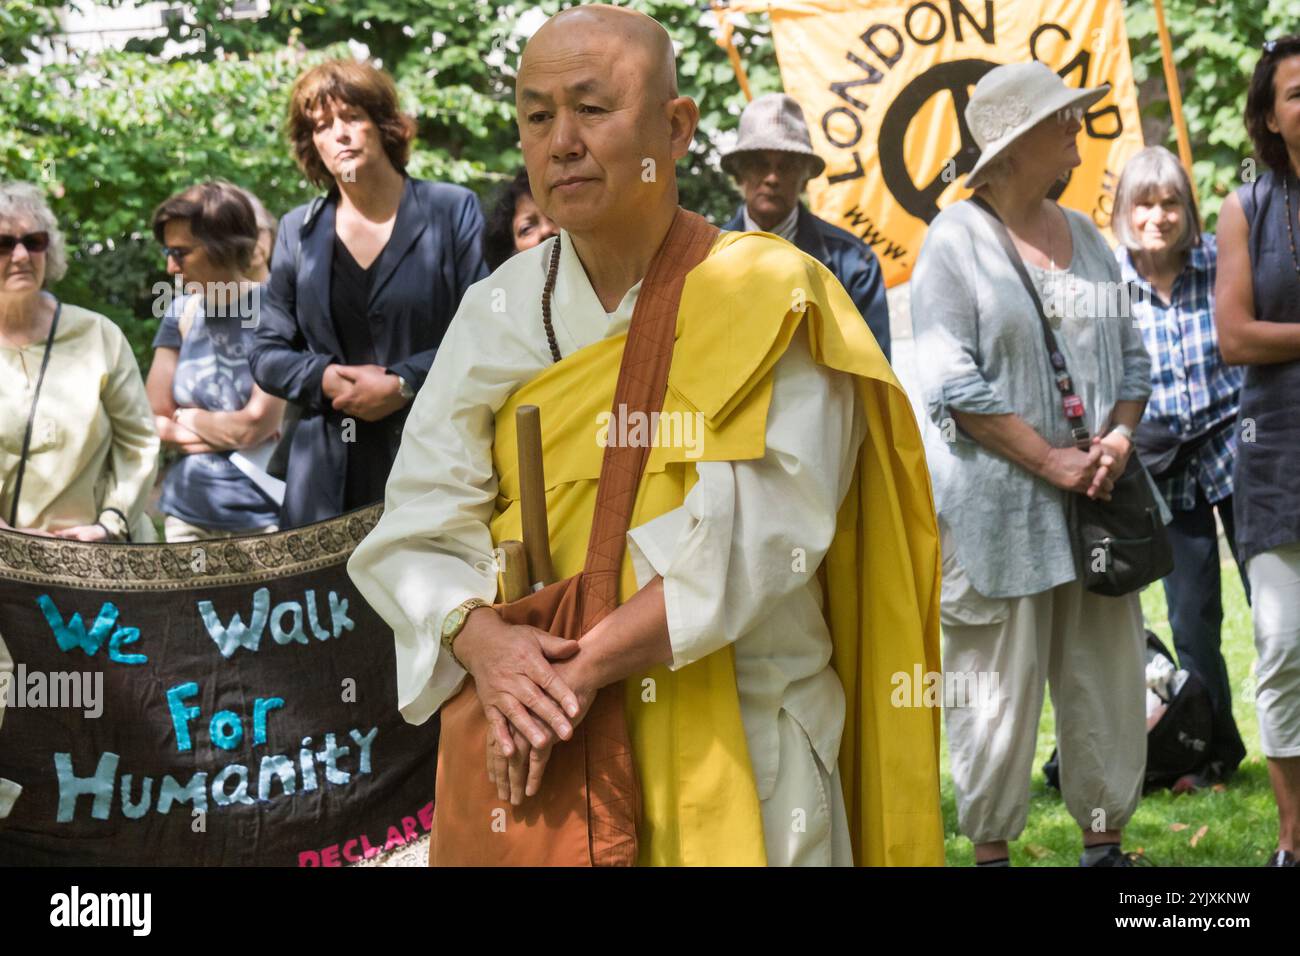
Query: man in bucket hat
(772, 163)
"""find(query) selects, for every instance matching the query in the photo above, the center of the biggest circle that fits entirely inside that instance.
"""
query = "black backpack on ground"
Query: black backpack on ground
(1180, 741)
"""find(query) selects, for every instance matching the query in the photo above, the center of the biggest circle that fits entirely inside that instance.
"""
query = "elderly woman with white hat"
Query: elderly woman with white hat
(1006, 469)
(772, 161)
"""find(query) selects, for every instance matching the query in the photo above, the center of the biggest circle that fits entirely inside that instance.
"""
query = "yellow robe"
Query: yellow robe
(739, 311)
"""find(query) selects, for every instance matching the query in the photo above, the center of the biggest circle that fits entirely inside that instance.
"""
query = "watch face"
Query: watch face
(453, 621)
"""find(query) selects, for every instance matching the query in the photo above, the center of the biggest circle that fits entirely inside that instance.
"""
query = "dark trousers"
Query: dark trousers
(1196, 615)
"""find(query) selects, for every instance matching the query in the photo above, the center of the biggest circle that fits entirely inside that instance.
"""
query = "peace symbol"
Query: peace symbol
(957, 77)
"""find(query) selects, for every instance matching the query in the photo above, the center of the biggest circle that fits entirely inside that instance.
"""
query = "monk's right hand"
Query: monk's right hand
(516, 684)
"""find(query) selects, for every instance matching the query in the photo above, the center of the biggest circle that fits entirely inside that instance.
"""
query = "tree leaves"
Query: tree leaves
(1216, 47)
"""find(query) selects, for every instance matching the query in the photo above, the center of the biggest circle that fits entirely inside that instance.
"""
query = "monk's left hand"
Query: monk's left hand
(576, 673)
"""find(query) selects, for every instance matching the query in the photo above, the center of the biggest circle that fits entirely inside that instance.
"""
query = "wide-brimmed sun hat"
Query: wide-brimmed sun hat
(1011, 100)
(773, 121)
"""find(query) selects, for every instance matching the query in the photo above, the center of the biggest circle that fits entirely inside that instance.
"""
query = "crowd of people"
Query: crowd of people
(284, 376)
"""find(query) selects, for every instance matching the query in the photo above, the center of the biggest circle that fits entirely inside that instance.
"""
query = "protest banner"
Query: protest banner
(884, 87)
(214, 703)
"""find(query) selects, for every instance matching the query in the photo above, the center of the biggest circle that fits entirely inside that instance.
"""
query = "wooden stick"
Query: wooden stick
(532, 495)
(1175, 96)
(514, 571)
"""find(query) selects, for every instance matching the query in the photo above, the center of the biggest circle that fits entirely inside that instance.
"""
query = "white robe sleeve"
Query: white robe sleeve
(752, 532)
(432, 548)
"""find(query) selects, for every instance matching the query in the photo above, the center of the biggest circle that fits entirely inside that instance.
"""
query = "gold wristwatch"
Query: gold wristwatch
(454, 623)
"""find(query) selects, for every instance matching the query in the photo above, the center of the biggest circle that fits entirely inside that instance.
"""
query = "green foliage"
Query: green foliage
(112, 137)
(23, 23)
(1216, 47)
(114, 134)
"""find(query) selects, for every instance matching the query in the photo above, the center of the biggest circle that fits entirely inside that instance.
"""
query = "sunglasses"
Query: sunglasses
(33, 242)
(176, 252)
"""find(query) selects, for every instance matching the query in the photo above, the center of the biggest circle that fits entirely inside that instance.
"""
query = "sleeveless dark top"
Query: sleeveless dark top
(1266, 490)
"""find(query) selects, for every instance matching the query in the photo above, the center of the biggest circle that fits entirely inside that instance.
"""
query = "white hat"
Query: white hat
(1011, 100)
(773, 121)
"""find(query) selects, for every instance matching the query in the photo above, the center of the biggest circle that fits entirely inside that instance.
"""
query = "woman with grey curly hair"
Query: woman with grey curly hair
(78, 450)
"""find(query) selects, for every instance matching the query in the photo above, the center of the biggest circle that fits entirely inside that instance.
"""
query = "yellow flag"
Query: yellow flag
(884, 84)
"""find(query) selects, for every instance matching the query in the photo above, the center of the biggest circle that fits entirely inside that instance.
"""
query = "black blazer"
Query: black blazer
(433, 256)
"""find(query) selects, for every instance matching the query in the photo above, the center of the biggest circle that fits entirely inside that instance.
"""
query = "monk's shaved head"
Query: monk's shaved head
(602, 125)
(619, 31)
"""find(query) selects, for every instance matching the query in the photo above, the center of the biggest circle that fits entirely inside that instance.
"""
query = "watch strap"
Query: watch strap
(464, 608)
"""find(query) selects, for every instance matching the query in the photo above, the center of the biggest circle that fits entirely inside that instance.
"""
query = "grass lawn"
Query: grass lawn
(1239, 822)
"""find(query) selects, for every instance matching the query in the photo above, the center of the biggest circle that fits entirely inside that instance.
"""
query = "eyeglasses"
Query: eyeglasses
(33, 242)
(176, 252)
(1071, 114)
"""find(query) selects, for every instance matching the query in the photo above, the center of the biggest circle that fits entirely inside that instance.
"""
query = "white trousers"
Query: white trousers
(1089, 650)
(805, 821)
(1275, 600)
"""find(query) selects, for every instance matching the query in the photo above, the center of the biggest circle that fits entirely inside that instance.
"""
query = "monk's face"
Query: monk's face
(599, 124)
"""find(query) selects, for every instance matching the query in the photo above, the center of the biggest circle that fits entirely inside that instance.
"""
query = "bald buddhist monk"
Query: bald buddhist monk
(780, 565)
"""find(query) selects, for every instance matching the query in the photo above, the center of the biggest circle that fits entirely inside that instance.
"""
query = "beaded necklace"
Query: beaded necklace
(547, 290)
(1290, 230)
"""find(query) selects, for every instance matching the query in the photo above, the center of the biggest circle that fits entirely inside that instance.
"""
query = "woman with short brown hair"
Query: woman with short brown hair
(200, 387)
(364, 282)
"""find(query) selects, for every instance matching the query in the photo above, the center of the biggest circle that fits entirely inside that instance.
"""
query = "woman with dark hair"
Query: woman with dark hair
(1256, 294)
(364, 281)
(1192, 412)
(514, 222)
(200, 386)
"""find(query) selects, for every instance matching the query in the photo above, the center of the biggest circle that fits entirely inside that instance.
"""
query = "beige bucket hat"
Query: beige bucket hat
(1011, 100)
(773, 121)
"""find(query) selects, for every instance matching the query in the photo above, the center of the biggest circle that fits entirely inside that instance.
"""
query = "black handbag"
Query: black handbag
(1119, 545)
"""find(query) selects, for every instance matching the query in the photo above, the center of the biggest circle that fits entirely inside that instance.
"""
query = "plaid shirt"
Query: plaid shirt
(1193, 390)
